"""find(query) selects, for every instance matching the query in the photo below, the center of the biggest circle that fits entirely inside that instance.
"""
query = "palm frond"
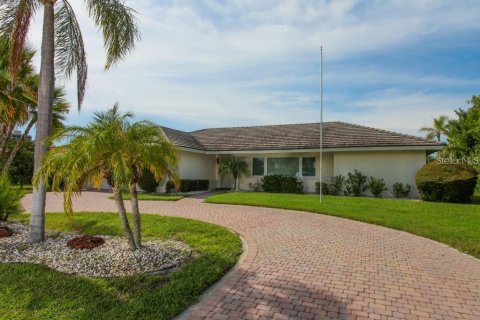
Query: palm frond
(15, 18)
(119, 27)
(70, 53)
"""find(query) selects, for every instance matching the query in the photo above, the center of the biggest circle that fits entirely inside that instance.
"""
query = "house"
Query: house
(293, 149)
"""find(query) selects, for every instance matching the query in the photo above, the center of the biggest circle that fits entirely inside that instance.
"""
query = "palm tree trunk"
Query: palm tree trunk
(44, 122)
(137, 222)
(5, 140)
(235, 182)
(122, 214)
(17, 147)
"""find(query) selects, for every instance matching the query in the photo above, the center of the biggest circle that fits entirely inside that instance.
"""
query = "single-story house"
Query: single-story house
(294, 149)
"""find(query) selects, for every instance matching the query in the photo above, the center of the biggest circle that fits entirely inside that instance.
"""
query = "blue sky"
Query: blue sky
(391, 64)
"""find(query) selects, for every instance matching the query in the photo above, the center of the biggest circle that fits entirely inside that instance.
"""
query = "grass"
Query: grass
(31, 291)
(153, 197)
(457, 225)
(25, 189)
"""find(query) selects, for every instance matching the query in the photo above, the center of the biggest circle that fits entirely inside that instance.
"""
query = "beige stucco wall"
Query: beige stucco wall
(392, 166)
(194, 165)
(308, 182)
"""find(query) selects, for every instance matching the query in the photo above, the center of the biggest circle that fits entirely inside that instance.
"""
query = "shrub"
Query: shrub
(147, 181)
(325, 188)
(9, 198)
(281, 184)
(377, 186)
(356, 184)
(169, 187)
(255, 187)
(335, 185)
(400, 191)
(187, 185)
(446, 182)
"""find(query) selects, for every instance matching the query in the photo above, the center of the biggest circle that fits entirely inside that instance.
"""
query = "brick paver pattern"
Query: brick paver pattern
(301, 265)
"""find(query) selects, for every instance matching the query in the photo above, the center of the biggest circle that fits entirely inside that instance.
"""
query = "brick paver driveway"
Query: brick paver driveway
(304, 265)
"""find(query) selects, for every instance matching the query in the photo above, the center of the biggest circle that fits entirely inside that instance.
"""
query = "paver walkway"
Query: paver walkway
(304, 265)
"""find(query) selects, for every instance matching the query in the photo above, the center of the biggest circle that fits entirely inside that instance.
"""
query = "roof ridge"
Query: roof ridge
(258, 126)
(388, 131)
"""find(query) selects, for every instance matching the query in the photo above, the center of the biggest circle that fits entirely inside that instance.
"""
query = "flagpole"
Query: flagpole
(321, 122)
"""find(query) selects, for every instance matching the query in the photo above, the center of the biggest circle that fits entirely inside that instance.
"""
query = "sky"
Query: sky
(389, 64)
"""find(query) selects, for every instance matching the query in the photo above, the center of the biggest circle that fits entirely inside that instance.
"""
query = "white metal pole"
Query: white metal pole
(321, 122)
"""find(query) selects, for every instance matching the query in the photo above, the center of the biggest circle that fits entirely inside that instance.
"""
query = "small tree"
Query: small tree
(356, 184)
(439, 127)
(21, 170)
(235, 167)
(377, 186)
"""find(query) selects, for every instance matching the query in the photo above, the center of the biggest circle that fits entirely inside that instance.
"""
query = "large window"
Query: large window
(258, 166)
(308, 167)
(284, 166)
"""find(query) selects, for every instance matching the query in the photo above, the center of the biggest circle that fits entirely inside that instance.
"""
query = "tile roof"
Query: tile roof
(294, 136)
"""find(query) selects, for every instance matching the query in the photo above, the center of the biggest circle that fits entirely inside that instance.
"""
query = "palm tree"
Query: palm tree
(440, 126)
(60, 108)
(146, 147)
(112, 149)
(234, 166)
(63, 48)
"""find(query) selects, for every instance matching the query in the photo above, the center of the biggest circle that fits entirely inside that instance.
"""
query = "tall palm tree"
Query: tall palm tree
(63, 48)
(234, 166)
(440, 126)
(146, 147)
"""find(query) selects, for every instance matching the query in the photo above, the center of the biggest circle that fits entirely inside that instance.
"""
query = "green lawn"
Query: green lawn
(30, 291)
(25, 189)
(457, 225)
(154, 197)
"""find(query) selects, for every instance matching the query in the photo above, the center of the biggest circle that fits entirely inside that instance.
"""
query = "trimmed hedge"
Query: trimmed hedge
(187, 185)
(446, 182)
(281, 184)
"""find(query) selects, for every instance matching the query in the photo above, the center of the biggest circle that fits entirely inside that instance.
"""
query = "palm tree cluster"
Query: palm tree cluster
(62, 53)
(234, 166)
(113, 149)
(19, 104)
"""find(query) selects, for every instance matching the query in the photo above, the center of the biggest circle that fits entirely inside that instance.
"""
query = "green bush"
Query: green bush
(147, 181)
(281, 184)
(401, 191)
(187, 185)
(377, 186)
(9, 198)
(443, 182)
(356, 184)
(333, 186)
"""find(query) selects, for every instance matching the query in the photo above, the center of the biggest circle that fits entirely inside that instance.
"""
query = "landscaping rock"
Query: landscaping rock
(5, 232)
(111, 259)
(85, 242)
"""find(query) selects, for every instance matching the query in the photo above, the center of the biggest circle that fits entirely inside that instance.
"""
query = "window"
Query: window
(308, 167)
(257, 166)
(283, 166)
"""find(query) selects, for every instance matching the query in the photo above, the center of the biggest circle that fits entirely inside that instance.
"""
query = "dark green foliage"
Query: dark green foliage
(442, 182)
(187, 185)
(356, 184)
(333, 186)
(147, 181)
(281, 184)
(377, 186)
(464, 134)
(21, 170)
(9, 198)
(169, 187)
(401, 191)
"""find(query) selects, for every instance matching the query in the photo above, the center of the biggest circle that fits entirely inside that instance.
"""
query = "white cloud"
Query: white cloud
(243, 62)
